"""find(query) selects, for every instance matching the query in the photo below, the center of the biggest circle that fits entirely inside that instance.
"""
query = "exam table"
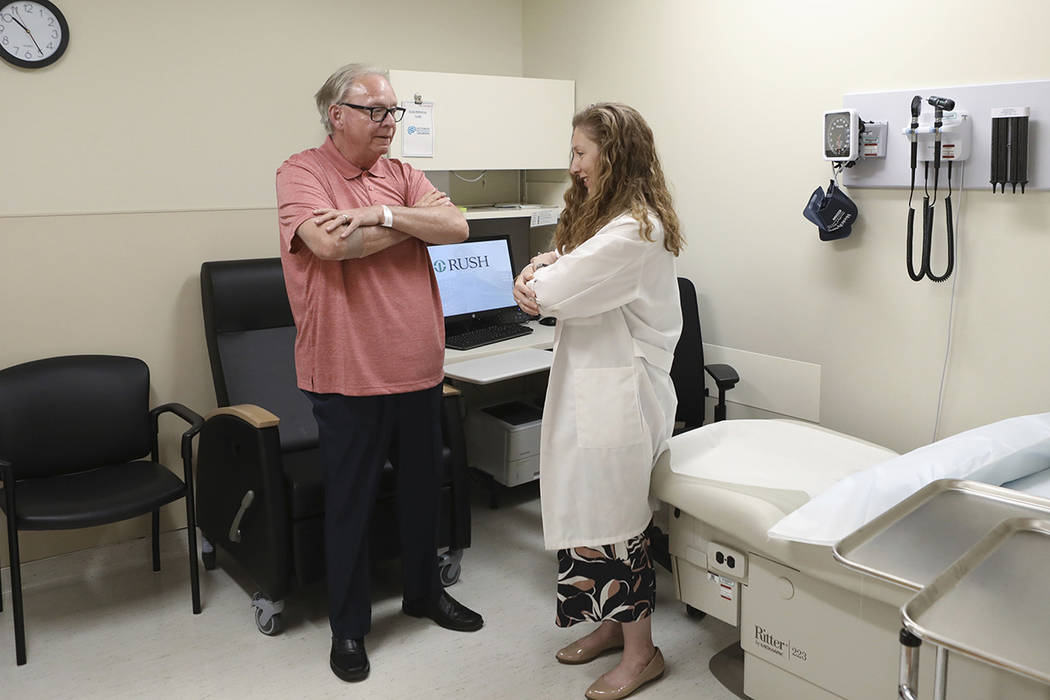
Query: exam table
(810, 627)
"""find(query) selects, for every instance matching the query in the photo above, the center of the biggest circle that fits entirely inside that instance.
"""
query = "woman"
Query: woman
(610, 405)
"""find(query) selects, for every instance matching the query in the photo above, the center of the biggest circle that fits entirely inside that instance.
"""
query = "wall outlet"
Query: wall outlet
(726, 560)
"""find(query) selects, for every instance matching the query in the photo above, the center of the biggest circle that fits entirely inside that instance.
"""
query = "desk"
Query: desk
(542, 337)
(502, 373)
(500, 367)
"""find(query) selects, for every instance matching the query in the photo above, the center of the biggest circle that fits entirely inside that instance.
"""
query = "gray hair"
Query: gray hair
(338, 83)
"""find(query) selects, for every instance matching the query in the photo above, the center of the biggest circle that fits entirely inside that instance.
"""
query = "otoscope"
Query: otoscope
(939, 104)
(916, 107)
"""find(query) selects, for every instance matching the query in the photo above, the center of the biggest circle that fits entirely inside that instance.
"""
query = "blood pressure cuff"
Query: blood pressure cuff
(833, 213)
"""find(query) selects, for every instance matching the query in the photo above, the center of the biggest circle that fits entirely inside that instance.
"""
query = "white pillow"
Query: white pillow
(1037, 484)
(993, 454)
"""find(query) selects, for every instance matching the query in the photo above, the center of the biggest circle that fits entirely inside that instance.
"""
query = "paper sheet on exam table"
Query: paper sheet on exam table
(772, 454)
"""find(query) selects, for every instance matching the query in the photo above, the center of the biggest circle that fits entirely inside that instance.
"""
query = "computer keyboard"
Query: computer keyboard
(477, 337)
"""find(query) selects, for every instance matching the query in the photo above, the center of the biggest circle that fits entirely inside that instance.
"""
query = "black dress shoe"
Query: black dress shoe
(447, 612)
(348, 659)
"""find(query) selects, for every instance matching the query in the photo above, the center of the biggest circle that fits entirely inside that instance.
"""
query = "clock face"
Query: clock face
(33, 33)
(837, 135)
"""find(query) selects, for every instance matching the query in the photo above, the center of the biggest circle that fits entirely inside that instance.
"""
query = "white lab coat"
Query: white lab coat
(610, 401)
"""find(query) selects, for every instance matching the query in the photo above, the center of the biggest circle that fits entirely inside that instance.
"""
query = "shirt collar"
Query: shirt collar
(344, 167)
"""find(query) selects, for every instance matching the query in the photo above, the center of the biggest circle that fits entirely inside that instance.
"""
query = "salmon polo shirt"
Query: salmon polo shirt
(366, 326)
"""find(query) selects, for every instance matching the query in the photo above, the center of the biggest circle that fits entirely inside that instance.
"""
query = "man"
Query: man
(369, 345)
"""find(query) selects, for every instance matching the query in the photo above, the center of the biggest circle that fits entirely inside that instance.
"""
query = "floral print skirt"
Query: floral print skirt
(613, 582)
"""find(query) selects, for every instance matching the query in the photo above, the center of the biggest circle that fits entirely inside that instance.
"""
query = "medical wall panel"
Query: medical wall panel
(977, 101)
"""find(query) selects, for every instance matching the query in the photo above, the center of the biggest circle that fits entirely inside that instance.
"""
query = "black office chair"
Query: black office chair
(688, 368)
(260, 494)
(73, 434)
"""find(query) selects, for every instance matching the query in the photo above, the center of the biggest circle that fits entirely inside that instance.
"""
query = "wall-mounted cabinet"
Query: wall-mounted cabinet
(490, 122)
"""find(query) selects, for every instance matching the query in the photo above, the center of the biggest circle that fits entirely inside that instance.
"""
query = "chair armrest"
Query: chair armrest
(724, 375)
(239, 450)
(195, 420)
(255, 416)
(725, 379)
(196, 423)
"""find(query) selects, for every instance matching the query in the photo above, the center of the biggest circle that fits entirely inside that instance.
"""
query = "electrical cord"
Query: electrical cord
(924, 263)
(951, 303)
(928, 204)
(950, 232)
(483, 173)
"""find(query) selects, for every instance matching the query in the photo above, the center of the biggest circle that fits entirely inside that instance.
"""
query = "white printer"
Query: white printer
(504, 441)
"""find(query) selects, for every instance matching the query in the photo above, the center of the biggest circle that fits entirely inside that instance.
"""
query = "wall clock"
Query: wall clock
(33, 33)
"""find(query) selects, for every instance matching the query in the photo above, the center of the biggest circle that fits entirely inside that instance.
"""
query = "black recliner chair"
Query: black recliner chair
(260, 484)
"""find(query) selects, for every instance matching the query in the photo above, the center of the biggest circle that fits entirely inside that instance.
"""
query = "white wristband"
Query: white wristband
(388, 216)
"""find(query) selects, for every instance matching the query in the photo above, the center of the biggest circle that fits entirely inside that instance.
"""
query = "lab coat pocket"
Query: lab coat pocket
(607, 413)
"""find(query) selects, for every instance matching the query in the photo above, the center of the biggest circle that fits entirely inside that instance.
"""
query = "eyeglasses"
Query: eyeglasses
(378, 114)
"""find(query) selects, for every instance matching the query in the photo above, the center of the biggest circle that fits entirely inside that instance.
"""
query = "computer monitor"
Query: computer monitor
(475, 277)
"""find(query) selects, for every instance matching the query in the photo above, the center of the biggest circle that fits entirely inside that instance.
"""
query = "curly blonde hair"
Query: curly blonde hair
(627, 179)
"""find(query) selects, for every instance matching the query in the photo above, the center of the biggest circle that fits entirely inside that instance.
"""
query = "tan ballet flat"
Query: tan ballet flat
(580, 653)
(600, 690)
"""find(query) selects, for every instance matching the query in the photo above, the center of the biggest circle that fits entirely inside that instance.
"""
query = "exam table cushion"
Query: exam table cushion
(994, 454)
(784, 460)
(740, 514)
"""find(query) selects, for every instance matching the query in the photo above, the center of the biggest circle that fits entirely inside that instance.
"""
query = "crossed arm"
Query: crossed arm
(345, 234)
(602, 273)
(523, 293)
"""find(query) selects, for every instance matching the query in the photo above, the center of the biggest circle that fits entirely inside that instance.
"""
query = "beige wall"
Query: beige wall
(166, 123)
(734, 92)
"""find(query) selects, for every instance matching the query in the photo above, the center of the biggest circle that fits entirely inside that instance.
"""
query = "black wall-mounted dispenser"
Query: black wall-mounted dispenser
(1009, 164)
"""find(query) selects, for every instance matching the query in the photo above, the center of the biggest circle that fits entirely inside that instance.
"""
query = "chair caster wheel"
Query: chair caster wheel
(267, 614)
(271, 627)
(449, 567)
(695, 613)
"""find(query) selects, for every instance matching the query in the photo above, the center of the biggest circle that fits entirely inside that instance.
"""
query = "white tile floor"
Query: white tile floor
(101, 624)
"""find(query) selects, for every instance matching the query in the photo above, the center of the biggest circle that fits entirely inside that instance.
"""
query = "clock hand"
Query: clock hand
(26, 29)
(20, 24)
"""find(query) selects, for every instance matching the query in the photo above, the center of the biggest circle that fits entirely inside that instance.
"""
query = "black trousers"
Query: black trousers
(357, 434)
